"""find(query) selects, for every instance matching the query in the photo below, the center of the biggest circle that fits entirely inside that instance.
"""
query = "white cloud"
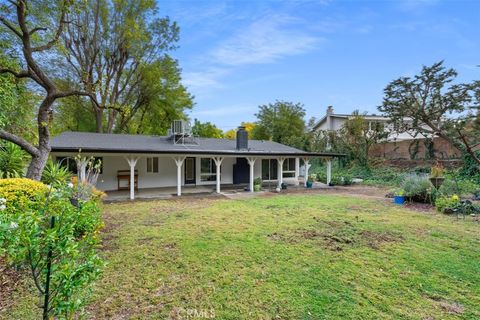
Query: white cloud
(204, 79)
(262, 41)
(265, 41)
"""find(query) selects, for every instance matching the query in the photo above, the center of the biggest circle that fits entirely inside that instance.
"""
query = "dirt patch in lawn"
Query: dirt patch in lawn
(338, 235)
(420, 207)
(109, 233)
(9, 282)
(375, 239)
(452, 307)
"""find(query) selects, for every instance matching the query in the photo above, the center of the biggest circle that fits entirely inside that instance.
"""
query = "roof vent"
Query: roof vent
(242, 138)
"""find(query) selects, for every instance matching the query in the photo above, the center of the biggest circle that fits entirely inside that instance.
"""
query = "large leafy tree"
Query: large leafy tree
(232, 133)
(282, 122)
(34, 28)
(431, 104)
(116, 51)
(206, 130)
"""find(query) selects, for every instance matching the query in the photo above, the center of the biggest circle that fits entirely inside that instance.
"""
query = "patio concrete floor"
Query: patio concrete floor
(228, 191)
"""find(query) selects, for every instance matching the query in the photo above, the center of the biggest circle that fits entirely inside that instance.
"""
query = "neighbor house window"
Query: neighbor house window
(152, 164)
(208, 170)
(269, 169)
(289, 168)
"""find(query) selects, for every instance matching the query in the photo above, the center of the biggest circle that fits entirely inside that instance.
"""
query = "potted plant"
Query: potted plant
(399, 196)
(310, 180)
(257, 184)
(436, 176)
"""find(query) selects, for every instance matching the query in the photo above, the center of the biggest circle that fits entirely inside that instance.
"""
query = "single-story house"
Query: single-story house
(180, 159)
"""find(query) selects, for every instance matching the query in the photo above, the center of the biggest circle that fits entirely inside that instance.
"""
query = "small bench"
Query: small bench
(123, 180)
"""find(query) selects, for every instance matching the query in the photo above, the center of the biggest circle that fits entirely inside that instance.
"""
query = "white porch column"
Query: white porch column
(132, 162)
(329, 170)
(251, 163)
(179, 162)
(306, 162)
(280, 171)
(218, 163)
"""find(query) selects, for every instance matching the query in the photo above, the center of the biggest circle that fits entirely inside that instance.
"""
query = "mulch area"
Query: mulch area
(10, 280)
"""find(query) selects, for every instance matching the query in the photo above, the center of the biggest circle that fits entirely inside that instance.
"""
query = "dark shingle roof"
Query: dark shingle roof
(127, 143)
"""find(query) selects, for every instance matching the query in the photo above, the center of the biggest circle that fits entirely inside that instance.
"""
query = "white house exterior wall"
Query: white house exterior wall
(167, 171)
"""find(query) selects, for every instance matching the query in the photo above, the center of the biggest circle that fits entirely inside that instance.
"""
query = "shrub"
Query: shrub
(446, 203)
(384, 176)
(86, 191)
(347, 180)
(257, 181)
(437, 171)
(417, 188)
(21, 192)
(48, 228)
(54, 174)
(12, 160)
(455, 184)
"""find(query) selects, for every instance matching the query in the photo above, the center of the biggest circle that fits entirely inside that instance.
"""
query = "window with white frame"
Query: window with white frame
(289, 168)
(269, 169)
(208, 170)
(152, 164)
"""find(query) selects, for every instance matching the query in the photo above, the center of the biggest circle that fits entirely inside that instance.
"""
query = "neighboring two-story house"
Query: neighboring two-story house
(408, 144)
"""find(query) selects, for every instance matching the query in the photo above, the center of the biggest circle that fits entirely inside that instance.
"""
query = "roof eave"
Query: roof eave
(212, 152)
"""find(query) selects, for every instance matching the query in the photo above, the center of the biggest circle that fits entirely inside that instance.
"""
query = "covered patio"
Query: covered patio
(140, 166)
(227, 190)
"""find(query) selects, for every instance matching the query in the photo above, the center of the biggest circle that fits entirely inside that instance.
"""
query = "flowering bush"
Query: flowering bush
(87, 191)
(21, 192)
(44, 228)
(446, 204)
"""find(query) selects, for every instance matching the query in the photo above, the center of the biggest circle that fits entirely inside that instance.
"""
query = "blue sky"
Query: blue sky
(237, 55)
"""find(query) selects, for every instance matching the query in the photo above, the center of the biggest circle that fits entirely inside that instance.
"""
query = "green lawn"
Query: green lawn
(284, 257)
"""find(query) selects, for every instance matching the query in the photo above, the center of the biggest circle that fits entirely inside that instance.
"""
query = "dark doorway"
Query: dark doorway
(190, 172)
(241, 171)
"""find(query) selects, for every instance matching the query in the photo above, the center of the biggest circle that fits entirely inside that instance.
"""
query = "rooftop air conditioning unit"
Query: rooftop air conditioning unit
(181, 133)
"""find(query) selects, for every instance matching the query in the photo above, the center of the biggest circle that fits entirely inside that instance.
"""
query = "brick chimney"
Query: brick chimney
(242, 138)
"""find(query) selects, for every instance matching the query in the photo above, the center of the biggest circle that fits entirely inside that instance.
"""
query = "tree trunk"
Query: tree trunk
(111, 121)
(39, 161)
(36, 166)
(98, 118)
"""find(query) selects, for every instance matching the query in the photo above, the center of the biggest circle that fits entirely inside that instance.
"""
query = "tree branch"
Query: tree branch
(22, 143)
(10, 26)
(470, 150)
(21, 74)
(37, 29)
(58, 33)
